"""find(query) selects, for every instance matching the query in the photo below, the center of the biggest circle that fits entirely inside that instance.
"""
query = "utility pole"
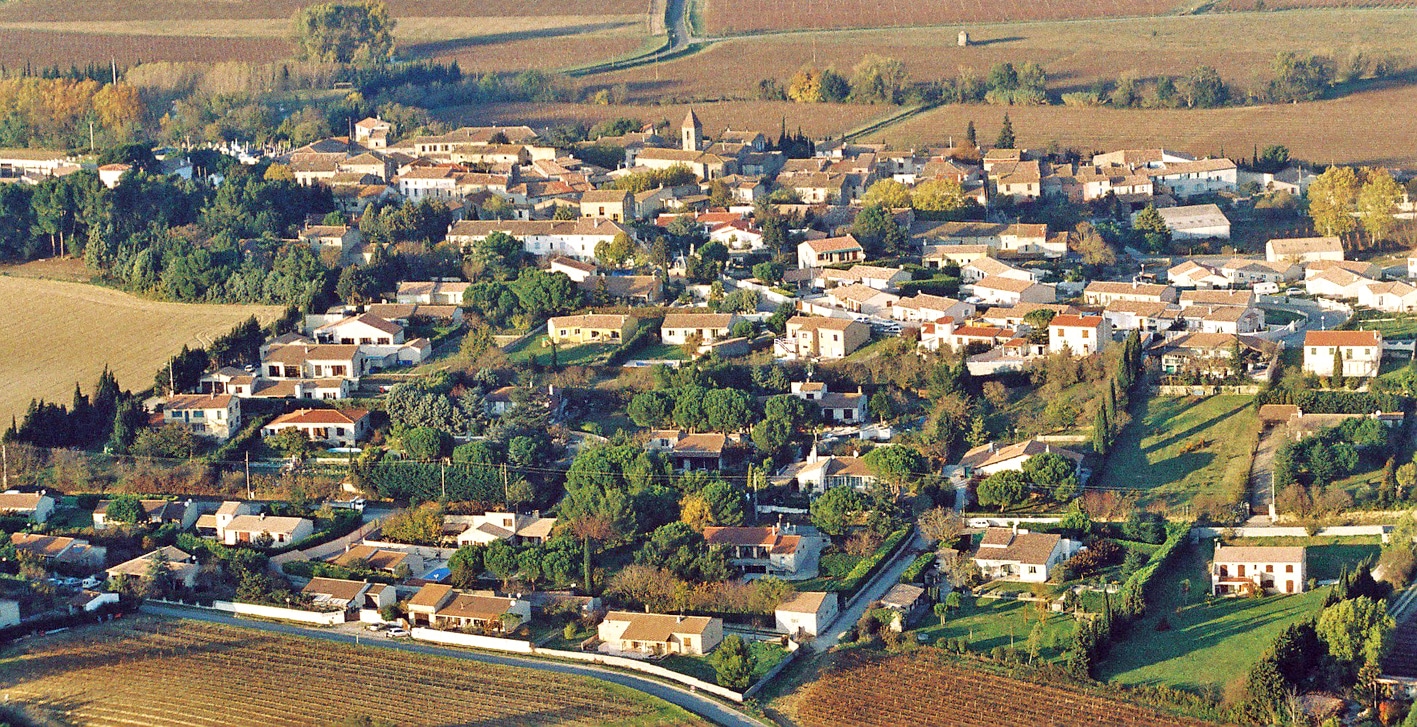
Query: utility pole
(250, 495)
(506, 490)
(445, 481)
(5, 457)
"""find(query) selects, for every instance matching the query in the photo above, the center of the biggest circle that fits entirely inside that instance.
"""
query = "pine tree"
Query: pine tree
(1338, 366)
(1006, 135)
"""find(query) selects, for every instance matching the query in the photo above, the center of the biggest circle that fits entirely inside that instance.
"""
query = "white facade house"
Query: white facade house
(1360, 351)
(1009, 291)
(1006, 554)
(840, 407)
(1194, 222)
(1242, 570)
(1080, 335)
(1303, 249)
(659, 633)
(986, 459)
(217, 416)
(807, 613)
(572, 238)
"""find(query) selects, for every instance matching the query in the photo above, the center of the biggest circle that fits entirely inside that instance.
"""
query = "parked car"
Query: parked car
(399, 632)
(92, 582)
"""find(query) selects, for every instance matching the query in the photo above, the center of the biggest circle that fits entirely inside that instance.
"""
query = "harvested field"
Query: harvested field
(744, 16)
(929, 689)
(482, 55)
(764, 116)
(728, 17)
(148, 671)
(492, 36)
(83, 327)
(1369, 128)
(43, 48)
(1068, 51)
(83, 10)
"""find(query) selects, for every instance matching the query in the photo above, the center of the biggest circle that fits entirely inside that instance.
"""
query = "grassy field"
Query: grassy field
(1391, 325)
(59, 333)
(565, 355)
(992, 622)
(165, 672)
(1150, 455)
(1209, 642)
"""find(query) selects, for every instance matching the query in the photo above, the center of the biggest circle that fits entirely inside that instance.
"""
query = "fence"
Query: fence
(525, 647)
(1008, 522)
(319, 618)
(1339, 531)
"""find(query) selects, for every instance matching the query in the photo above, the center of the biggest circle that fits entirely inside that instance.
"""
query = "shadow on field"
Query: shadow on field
(995, 41)
(444, 47)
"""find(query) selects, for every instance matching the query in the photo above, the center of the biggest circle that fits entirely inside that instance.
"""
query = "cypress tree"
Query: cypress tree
(1006, 134)
(1100, 426)
(970, 135)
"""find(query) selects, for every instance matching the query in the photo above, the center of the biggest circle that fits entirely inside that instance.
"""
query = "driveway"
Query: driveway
(1262, 474)
(884, 580)
(709, 709)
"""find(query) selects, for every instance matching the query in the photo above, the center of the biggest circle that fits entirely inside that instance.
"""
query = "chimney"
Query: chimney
(679, 619)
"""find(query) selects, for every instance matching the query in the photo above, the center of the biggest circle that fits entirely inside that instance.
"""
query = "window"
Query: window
(1269, 569)
(1240, 570)
(198, 414)
(1289, 569)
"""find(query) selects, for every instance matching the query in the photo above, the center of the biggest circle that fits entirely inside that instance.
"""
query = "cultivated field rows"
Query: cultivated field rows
(188, 674)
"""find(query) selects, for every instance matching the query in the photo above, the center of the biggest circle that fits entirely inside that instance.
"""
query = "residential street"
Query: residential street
(703, 706)
(885, 578)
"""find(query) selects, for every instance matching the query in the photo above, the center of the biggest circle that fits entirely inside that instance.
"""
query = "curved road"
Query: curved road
(706, 707)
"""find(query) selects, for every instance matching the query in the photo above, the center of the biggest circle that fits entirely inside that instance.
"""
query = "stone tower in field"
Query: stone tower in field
(963, 38)
(691, 132)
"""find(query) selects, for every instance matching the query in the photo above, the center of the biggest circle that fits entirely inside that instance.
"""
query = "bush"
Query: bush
(915, 572)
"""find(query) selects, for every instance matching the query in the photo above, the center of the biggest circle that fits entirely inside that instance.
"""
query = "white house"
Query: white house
(1194, 222)
(1391, 297)
(776, 551)
(1080, 335)
(1250, 272)
(806, 613)
(660, 634)
(244, 529)
(1336, 282)
(841, 407)
(511, 526)
(1191, 274)
(432, 292)
(928, 308)
(1021, 555)
(986, 459)
(331, 427)
(1241, 570)
(1303, 249)
(363, 329)
(1360, 351)
(572, 238)
(829, 251)
(1009, 291)
(217, 416)
(1105, 292)
(984, 267)
(710, 327)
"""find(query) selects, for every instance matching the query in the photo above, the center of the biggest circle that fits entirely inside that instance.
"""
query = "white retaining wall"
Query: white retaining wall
(1341, 531)
(525, 647)
(319, 618)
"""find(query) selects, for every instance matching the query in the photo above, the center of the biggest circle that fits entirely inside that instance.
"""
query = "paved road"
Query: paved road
(877, 587)
(1262, 474)
(703, 706)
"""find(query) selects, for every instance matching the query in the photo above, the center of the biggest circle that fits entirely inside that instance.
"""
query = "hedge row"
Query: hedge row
(621, 354)
(320, 569)
(868, 565)
(915, 572)
(939, 286)
(1334, 402)
(425, 481)
(1133, 591)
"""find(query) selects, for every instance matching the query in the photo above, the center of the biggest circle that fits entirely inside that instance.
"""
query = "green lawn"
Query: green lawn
(1151, 454)
(659, 352)
(832, 567)
(565, 355)
(1391, 325)
(1326, 556)
(697, 667)
(1278, 317)
(988, 623)
(1211, 641)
